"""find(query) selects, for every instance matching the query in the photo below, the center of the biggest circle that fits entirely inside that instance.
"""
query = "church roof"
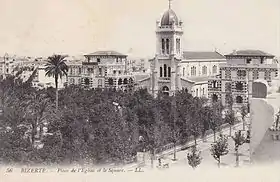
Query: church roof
(202, 55)
(169, 17)
(250, 53)
(106, 53)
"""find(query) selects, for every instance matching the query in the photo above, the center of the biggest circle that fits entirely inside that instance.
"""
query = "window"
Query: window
(255, 74)
(71, 71)
(248, 60)
(214, 69)
(193, 71)
(72, 81)
(267, 75)
(114, 72)
(196, 92)
(167, 46)
(241, 73)
(239, 86)
(98, 60)
(214, 84)
(178, 45)
(203, 91)
(80, 70)
(130, 80)
(169, 72)
(164, 70)
(183, 71)
(86, 81)
(111, 81)
(262, 60)
(125, 81)
(120, 72)
(204, 70)
(120, 81)
(163, 46)
(160, 71)
(100, 71)
(239, 99)
(100, 82)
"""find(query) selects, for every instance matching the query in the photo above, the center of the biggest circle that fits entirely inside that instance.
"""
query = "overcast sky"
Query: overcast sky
(44, 27)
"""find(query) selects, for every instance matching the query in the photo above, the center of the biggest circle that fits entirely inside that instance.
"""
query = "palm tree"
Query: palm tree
(56, 67)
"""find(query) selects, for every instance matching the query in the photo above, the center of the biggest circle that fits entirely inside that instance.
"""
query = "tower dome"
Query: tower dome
(169, 17)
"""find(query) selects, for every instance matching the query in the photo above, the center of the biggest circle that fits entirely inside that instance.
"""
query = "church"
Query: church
(174, 69)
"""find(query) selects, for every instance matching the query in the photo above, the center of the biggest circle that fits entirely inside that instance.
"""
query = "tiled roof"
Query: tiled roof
(106, 53)
(250, 53)
(202, 55)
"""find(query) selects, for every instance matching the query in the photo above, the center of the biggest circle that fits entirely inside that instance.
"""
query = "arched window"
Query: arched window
(160, 71)
(167, 46)
(239, 86)
(164, 70)
(169, 72)
(214, 98)
(214, 69)
(193, 71)
(163, 46)
(214, 84)
(125, 81)
(204, 70)
(186, 90)
(120, 81)
(239, 99)
(178, 45)
(111, 81)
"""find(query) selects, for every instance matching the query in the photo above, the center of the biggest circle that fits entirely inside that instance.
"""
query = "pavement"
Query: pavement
(207, 159)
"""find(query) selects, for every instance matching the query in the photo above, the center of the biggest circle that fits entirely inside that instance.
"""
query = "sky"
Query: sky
(75, 27)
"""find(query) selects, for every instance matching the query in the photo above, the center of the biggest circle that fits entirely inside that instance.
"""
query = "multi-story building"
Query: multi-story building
(234, 83)
(101, 69)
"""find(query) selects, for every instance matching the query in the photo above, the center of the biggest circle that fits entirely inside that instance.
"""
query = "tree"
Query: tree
(230, 119)
(215, 117)
(194, 158)
(244, 112)
(219, 148)
(56, 67)
(239, 139)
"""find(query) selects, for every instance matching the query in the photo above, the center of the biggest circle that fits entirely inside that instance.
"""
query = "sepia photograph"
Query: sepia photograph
(154, 90)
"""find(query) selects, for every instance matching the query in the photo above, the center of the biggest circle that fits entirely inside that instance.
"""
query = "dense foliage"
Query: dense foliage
(95, 126)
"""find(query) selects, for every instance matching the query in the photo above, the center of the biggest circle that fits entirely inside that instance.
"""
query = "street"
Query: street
(207, 159)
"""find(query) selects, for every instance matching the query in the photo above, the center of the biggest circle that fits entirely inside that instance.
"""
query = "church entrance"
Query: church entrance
(165, 90)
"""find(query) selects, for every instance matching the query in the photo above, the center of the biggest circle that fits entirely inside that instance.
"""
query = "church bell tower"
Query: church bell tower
(165, 75)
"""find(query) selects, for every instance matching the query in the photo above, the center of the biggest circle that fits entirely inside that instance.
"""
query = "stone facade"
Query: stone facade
(238, 74)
